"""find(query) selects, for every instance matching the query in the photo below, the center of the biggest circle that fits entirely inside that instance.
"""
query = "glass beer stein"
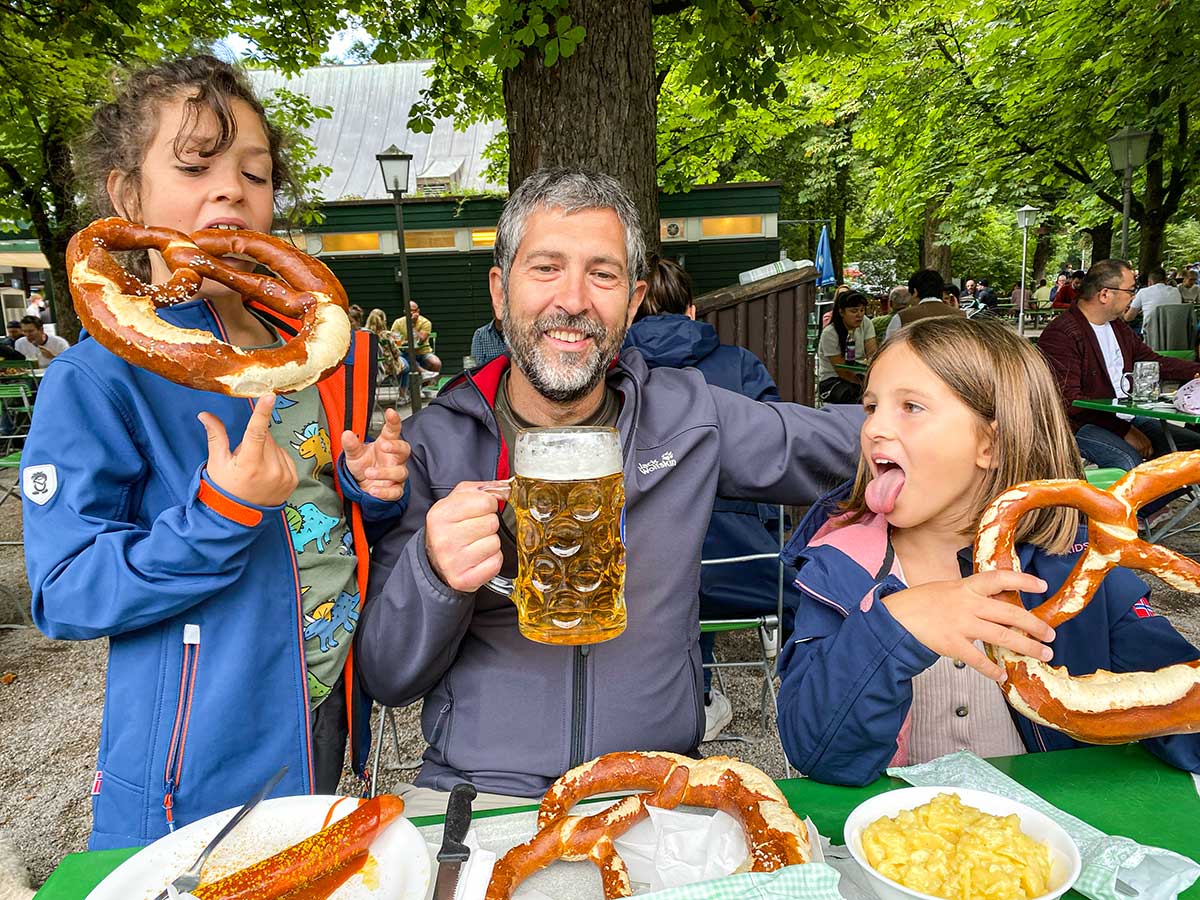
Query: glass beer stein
(568, 496)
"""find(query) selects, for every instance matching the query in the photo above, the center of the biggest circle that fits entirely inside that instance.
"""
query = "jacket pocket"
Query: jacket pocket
(173, 774)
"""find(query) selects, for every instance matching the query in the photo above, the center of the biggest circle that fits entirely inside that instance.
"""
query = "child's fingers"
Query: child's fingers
(1011, 639)
(998, 581)
(391, 424)
(978, 660)
(218, 440)
(1015, 617)
(352, 446)
(259, 426)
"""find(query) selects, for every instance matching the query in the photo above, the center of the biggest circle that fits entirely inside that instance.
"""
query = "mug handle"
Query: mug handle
(1127, 386)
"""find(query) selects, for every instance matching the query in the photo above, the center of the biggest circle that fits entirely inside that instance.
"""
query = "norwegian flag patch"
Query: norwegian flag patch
(96, 782)
(1142, 609)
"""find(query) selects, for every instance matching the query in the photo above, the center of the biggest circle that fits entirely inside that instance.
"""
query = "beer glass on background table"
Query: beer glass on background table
(568, 496)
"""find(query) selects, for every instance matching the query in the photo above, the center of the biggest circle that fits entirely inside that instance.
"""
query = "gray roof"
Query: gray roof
(370, 112)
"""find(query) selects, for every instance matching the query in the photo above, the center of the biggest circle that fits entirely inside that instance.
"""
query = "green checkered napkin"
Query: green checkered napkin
(1153, 872)
(812, 881)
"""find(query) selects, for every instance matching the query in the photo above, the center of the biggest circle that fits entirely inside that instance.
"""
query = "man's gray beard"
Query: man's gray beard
(573, 378)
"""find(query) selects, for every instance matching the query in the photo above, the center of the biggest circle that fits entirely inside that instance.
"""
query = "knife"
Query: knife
(454, 852)
(190, 879)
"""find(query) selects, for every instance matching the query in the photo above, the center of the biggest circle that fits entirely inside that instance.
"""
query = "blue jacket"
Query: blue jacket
(197, 591)
(847, 674)
(737, 527)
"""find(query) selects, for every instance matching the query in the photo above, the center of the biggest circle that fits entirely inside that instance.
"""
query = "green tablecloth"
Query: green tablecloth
(1120, 790)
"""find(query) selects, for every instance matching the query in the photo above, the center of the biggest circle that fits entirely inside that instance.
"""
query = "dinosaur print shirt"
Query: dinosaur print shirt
(321, 538)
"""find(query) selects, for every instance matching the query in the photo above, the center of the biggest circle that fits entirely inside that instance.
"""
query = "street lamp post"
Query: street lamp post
(1027, 217)
(394, 163)
(1126, 151)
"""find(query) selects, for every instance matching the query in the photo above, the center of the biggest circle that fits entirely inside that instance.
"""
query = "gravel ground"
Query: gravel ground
(50, 715)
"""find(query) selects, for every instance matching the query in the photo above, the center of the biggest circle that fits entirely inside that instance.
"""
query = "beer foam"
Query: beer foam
(567, 454)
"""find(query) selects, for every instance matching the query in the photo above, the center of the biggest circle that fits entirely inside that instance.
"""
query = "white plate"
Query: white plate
(402, 863)
(1064, 855)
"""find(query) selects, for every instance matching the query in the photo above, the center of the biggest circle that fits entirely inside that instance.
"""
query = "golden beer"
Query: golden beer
(568, 496)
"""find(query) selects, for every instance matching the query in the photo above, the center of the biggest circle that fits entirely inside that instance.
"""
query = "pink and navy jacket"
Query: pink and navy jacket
(847, 672)
(196, 591)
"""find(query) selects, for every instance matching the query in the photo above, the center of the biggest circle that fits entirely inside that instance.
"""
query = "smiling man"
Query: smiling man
(500, 711)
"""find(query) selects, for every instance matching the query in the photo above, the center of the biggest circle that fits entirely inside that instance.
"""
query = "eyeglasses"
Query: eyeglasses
(1126, 290)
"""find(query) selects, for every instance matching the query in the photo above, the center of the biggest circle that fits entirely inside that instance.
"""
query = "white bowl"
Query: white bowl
(1064, 855)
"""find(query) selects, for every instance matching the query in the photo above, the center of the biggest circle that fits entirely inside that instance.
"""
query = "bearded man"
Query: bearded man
(502, 712)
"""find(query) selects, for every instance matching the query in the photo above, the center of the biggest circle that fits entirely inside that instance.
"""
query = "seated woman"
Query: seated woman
(849, 337)
(392, 364)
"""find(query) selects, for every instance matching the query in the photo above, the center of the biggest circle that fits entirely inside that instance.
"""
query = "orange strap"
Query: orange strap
(230, 509)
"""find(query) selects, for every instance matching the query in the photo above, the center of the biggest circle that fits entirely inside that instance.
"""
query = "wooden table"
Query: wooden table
(1120, 790)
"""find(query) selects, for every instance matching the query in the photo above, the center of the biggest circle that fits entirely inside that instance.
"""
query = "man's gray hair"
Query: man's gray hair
(899, 298)
(570, 190)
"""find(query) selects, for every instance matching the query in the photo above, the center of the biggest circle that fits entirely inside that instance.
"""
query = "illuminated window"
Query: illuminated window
(483, 238)
(731, 226)
(432, 239)
(360, 242)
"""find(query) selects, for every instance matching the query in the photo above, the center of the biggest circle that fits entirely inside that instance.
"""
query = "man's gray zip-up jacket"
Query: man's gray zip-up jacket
(510, 715)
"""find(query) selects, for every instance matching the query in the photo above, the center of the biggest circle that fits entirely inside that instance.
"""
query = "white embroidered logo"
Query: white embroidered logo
(39, 483)
(666, 461)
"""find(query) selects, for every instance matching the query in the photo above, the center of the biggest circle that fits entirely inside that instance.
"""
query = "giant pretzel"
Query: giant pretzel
(1104, 707)
(118, 309)
(775, 837)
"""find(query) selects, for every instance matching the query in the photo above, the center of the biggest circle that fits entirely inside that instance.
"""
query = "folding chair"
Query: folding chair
(11, 461)
(387, 716)
(770, 636)
(16, 400)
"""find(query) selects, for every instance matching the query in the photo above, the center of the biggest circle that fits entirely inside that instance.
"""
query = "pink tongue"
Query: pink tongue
(883, 490)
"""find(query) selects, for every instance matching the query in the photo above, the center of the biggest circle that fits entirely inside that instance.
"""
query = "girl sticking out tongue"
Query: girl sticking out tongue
(888, 668)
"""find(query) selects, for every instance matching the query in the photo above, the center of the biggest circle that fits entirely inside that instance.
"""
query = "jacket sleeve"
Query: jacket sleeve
(784, 452)
(757, 382)
(412, 623)
(374, 510)
(1138, 644)
(1061, 348)
(847, 687)
(94, 568)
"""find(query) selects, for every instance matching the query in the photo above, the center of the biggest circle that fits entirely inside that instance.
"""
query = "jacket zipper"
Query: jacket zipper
(579, 706)
(172, 776)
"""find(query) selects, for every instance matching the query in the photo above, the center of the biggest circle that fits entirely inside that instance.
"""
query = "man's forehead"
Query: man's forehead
(555, 226)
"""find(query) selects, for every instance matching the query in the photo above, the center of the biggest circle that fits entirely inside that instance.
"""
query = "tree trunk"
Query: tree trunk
(935, 255)
(1041, 253)
(1102, 239)
(1153, 220)
(595, 109)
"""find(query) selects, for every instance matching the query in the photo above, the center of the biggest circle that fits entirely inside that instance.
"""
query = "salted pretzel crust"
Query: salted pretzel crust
(119, 310)
(775, 836)
(1103, 707)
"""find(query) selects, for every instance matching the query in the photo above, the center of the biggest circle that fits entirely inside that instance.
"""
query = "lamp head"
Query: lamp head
(394, 164)
(1027, 216)
(1127, 148)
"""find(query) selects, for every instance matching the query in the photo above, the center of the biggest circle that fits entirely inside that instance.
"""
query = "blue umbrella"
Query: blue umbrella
(825, 276)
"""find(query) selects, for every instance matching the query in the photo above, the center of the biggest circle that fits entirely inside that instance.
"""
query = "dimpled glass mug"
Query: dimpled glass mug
(568, 496)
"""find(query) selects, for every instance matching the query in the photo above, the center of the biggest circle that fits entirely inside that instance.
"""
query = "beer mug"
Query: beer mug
(1142, 384)
(568, 496)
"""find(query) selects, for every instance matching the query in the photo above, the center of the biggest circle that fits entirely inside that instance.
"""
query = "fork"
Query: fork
(190, 879)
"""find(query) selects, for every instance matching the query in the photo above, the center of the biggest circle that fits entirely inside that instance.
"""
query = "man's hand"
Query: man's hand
(379, 467)
(461, 537)
(948, 616)
(1138, 440)
(259, 471)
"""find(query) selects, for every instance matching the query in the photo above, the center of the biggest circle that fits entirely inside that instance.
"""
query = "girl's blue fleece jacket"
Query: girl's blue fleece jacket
(847, 674)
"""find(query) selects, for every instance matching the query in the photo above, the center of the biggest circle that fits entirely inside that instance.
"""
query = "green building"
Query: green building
(715, 232)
